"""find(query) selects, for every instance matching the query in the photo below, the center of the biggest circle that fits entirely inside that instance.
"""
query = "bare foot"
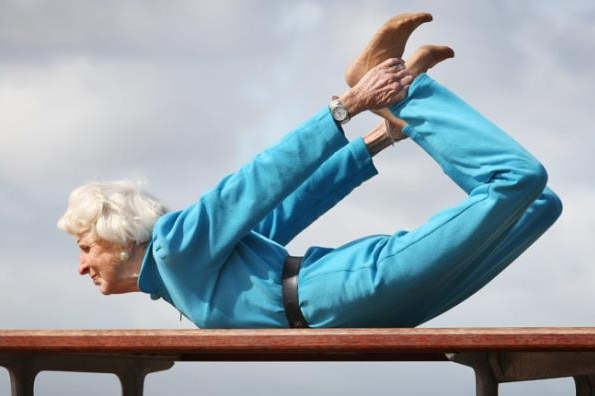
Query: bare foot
(388, 42)
(426, 57)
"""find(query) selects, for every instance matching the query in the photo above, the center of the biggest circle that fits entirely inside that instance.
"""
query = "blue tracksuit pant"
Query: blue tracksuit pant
(219, 261)
(407, 278)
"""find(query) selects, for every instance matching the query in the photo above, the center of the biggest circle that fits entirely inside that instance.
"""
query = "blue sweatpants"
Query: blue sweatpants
(410, 277)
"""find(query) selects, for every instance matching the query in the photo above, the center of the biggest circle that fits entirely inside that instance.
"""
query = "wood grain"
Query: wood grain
(299, 344)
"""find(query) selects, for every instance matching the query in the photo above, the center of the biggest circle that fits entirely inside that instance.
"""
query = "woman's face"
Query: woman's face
(101, 261)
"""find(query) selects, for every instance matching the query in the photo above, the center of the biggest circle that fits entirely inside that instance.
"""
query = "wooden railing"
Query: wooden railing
(496, 354)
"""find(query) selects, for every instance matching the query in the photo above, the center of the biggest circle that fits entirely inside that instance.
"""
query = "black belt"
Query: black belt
(291, 302)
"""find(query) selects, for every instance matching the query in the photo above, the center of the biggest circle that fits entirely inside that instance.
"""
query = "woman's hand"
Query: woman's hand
(382, 86)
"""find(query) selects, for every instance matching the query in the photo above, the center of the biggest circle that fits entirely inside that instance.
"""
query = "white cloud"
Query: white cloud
(57, 117)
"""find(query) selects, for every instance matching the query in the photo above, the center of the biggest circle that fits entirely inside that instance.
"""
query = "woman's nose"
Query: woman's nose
(83, 267)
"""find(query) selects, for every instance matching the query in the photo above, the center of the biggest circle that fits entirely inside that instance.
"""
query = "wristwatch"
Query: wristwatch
(338, 111)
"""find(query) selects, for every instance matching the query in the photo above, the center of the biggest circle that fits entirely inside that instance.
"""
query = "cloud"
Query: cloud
(140, 30)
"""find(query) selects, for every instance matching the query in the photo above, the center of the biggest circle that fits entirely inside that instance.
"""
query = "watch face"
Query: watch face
(340, 113)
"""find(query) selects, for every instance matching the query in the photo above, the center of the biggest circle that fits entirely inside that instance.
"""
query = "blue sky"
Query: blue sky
(180, 93)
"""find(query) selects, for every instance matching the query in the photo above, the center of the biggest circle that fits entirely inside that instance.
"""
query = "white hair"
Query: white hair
(118, 212)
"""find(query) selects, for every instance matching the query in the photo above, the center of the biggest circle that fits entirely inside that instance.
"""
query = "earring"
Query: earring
(124, 256)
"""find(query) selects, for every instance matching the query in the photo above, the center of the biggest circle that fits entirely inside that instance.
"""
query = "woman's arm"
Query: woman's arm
(333, 181)
(209, 229)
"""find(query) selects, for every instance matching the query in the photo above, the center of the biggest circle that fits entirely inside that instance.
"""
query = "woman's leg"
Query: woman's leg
(407, 278)
(462, 248)
(533, 223)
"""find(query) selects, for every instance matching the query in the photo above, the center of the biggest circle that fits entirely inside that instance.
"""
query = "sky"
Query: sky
(180, 93)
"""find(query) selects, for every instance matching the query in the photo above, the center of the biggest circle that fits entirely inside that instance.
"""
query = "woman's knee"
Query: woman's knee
(533, 177)
(552, 205)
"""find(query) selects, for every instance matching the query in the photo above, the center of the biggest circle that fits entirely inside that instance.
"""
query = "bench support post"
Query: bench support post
(486, 383)
(130, 370)
(493, 368)
(585, 385)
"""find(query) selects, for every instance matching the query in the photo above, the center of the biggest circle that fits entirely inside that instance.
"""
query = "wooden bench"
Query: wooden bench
(496, 354)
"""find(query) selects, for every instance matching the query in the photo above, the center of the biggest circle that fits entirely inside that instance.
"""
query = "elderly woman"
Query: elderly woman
(222, 262)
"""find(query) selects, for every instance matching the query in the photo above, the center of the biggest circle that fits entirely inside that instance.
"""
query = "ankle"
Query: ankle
(395, 132)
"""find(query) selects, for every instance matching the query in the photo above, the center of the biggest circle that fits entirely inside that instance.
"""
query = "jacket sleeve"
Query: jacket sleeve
(335, 179)
(208, 230)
